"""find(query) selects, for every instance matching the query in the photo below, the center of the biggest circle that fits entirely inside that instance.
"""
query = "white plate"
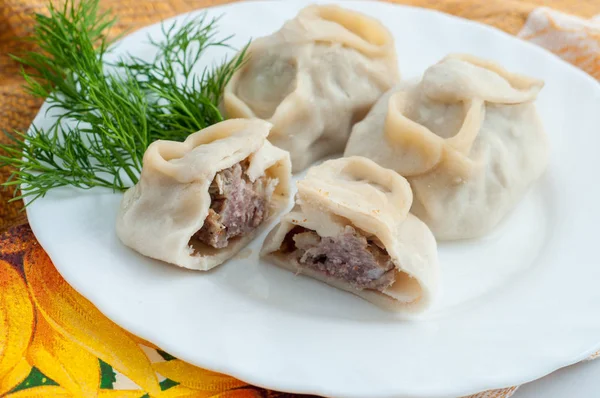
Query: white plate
(517, 304)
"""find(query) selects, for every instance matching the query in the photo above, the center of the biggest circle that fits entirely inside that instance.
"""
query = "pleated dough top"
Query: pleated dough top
(313, 79)
(160, 214)
(356, 191)
(467, 137)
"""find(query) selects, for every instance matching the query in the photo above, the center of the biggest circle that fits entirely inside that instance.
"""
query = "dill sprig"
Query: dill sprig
(109, 112)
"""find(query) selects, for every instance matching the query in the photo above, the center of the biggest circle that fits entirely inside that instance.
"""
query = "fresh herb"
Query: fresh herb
(110, 112)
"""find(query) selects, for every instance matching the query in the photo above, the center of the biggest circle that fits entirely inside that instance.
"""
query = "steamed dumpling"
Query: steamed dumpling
(201, 201)
(351, 228)
(313, 79)
(468, 139)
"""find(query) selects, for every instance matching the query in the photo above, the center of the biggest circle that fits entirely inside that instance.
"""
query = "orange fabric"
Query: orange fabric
(54, 342)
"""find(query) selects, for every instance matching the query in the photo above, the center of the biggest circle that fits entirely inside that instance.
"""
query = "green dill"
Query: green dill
(110, 112)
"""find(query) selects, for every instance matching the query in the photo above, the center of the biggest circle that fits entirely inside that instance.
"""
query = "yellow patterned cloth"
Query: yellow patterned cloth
(55, 343)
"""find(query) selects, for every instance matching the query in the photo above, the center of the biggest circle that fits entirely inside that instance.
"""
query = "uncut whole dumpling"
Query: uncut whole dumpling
(468, 139)
(313, 79)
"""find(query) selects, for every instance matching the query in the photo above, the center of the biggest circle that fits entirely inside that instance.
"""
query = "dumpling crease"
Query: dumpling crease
(313, 79)
(468, 138)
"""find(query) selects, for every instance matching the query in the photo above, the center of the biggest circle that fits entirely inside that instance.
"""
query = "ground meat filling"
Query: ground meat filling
(237, 205)
(349, 257)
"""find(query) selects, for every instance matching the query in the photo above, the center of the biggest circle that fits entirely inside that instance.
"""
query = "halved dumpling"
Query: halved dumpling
(199, 202)
(351, 228)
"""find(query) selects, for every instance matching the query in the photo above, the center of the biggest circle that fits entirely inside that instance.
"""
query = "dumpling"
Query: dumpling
(468, 139)
(313, 79)
(199, 202)
(351, 229)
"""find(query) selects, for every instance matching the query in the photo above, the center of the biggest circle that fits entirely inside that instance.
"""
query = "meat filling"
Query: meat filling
(349, 257)
(237, 205)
